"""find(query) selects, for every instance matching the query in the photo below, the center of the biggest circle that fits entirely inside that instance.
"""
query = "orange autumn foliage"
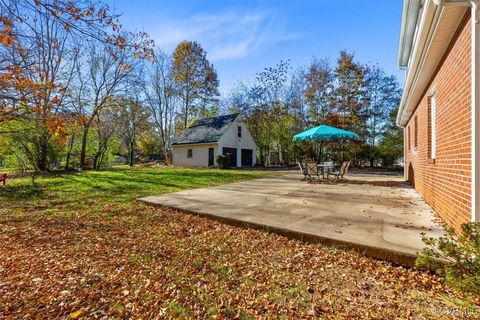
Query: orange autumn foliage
(6, 36)
(32, 93)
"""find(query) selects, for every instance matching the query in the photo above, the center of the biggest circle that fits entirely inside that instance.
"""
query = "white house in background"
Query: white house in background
(203, 141)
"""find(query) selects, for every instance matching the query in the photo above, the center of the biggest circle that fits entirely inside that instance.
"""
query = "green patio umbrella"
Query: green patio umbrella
(325, 133)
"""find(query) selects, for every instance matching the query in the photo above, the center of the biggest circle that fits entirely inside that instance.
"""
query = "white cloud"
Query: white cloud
(226, 36)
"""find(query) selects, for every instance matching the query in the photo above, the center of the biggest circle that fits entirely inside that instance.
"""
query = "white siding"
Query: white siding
(199, 155)
(230, 139)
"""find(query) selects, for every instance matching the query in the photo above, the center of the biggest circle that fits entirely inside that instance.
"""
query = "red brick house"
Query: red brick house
(439, 111)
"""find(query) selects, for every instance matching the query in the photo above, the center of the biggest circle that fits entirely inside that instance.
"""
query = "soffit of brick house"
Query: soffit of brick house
(430, 55)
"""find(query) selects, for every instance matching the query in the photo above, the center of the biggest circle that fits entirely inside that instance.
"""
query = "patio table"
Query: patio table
(325, 168)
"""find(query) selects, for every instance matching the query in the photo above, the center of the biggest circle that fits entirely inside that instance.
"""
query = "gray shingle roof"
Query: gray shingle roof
(206, 130)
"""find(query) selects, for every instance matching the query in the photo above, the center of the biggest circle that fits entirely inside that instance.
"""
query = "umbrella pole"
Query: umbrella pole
(321, 151)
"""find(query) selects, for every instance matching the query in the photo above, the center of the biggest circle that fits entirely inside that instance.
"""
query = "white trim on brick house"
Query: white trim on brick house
(475, 18)
(429, 34)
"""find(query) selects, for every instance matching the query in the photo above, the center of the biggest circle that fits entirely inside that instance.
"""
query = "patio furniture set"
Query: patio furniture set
(326, 171)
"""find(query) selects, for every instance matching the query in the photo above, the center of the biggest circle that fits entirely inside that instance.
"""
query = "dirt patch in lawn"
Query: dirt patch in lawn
(139, 261)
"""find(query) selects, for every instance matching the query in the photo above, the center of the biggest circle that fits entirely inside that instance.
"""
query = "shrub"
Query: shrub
(457, 258)
(222, 161)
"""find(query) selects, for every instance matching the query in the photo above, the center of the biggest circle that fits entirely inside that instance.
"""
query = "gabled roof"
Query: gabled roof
(206, 130)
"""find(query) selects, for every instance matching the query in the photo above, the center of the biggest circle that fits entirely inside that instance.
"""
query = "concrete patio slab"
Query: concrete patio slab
(380, 216)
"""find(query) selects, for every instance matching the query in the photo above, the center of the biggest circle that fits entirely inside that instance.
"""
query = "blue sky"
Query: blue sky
(243, 37)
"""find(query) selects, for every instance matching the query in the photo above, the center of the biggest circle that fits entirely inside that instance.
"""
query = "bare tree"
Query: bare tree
(161, 99)
(107, 123)
(100, 76)
(295, 98)
(133, 120)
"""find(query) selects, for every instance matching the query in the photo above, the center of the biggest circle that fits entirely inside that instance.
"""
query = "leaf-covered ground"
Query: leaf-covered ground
(127, 260)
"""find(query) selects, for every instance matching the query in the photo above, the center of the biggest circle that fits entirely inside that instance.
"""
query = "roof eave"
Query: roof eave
(195, 143)
(422, 61)
(410, 13)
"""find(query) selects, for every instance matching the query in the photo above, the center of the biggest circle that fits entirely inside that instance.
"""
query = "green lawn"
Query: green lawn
(93, 190)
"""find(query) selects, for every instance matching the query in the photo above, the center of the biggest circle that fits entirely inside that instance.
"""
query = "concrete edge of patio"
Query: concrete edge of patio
(387, 254)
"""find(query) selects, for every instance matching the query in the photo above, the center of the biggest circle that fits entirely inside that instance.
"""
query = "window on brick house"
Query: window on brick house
(408, 138)
(432, 128)
(415, 132)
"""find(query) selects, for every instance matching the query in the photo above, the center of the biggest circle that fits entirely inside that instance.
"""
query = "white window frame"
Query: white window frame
(433, 124)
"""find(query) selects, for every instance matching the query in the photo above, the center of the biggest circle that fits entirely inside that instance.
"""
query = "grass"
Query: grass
(93, 190)
(79, 245)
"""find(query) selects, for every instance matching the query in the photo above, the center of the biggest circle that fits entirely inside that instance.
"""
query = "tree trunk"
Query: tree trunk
(267, 156)
(132, 154)
(83, 151)
(185, 120)
(262, 158)
(42, 163)
(99, 155)
(43, 159)
(95, 162)
(165, 155)
(280, 153)
(69, 151)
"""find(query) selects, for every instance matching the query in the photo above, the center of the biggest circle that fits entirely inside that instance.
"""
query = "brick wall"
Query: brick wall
(445, 182)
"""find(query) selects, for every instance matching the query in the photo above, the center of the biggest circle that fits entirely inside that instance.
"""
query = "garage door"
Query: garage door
(231, 154)
(247, 157)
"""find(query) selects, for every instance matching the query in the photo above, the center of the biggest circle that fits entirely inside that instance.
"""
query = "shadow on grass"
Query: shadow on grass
(118, 184)
(25, 192)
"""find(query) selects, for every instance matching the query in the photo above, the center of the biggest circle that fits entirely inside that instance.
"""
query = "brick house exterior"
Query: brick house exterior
(439, 108)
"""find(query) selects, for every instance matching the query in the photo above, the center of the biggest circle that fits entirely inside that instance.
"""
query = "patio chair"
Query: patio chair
(312, 171)
(303, 169)
(347, 167)
(340, 173)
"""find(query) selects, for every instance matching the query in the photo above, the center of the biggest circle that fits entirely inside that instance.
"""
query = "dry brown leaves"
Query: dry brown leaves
(144, 262)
